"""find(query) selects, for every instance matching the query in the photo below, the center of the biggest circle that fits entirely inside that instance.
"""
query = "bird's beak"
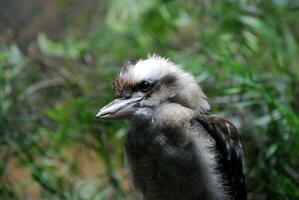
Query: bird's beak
(119, 108)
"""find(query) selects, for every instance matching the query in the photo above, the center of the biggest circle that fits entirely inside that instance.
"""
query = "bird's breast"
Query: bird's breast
(162, 168)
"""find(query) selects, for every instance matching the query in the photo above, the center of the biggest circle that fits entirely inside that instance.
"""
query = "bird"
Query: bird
(175, 148)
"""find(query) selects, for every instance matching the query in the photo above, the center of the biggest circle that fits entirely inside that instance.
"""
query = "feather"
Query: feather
(230, 151)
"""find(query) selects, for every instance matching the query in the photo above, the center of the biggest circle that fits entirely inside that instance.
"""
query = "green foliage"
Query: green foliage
(243, 53)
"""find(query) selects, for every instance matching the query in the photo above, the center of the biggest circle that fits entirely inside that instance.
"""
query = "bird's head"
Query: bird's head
(141, 87)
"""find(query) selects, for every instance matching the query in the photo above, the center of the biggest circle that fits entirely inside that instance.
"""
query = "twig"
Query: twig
(40, 86)
(45, 61)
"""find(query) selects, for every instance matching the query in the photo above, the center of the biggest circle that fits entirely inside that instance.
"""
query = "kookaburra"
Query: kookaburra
(175, 149)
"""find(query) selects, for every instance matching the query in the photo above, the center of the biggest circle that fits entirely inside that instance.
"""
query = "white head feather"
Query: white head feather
(155, 68)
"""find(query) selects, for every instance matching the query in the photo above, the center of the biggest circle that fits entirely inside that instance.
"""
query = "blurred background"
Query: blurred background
(58, 59)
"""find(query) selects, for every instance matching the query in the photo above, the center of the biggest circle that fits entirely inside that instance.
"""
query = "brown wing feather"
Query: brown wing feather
(230, 151)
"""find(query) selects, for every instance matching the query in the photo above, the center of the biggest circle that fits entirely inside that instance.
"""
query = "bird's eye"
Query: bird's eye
(145, 86)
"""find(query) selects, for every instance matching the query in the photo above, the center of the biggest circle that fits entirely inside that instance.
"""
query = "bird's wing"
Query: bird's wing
(229, 150)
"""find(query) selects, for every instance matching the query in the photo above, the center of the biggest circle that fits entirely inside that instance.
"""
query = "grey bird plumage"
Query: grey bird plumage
(175, 149)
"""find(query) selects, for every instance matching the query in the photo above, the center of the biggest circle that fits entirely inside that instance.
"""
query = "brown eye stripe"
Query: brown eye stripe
(123, 87)
(168, 80)
(120, 85)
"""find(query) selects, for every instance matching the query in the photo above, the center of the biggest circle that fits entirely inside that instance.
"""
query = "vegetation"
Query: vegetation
(243, 53)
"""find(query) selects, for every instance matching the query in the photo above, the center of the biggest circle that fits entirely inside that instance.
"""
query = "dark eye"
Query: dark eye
(145, 86)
